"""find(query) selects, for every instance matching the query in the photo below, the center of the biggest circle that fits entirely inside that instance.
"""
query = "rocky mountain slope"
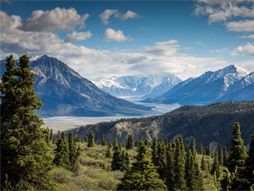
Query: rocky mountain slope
(150, 85)
(209, 88)
(208, 124)
(64, 92)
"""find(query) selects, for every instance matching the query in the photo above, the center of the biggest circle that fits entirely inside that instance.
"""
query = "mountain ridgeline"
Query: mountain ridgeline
(208, 124)
(230, 83)
(65, 93)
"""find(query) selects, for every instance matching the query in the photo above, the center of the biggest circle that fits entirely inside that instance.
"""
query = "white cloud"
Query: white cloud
(225, 11)
(106, 14)
(219, 50)
(250, 36)
(78, 36)
(199, 43)
(168, 48)
(128, 14)
(248, 49)
(117, 36)
(247, 25)
(55, 20)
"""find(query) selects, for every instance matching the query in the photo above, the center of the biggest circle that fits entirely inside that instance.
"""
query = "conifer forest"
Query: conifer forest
(35, 158)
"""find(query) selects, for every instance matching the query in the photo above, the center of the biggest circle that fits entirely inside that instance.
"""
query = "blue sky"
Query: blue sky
(115, 38)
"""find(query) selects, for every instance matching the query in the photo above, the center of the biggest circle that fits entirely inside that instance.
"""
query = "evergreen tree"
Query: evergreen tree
(120, 147)
(110, 145)
(82, 140)
(24, 153)
(201, 149)
(51, 135)
(207, 150)
(117, 161)
(143, 175)
(54, 140)
(215, 163)
(180, 182)
(59, 135)
(250, 165)
(146, 142)
(130, 142)
(91, 142)
(182, 145)
(62, 153)
(161, 159)
(115, 145)
(154, 151)
(103, 141)
(225, 156)
(109, 153)
(221, 156)
(210, 150)
(86, 139)
(170, 168)
(79, 138)
(208, 166)
(48, 137)
(126, 162)
(236, 157)
(74, 154)
(203, 163)
(192, 146)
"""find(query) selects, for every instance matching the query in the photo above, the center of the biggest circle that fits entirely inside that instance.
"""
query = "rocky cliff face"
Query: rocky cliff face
(208, 124)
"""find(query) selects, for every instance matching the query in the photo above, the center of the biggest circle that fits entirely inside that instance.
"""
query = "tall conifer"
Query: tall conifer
(250, 165)
(91, 142)
(115, 145)
(170, 169)
(109, 153)
(154, 151)
(221, 156)
(103, 141)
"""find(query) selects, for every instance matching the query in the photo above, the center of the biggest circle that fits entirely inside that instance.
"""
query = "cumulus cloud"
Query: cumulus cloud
(250, 36)
(78, 36)
(106, 15)
(128, 14)
(248, 49)
(117, 36)
(224, 11)
(247, 25)
(219, 50)
(55, 20)
(167, 48)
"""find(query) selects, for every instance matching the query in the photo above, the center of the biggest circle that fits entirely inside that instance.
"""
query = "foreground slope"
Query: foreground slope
(212, 123)
(65, 93)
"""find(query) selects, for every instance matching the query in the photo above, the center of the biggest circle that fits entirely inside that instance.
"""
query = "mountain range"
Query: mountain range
(230, 83)
(151, 85)
(64, 92)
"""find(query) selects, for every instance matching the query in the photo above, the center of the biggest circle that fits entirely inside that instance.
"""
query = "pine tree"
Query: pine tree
(154, 151)
(91, 142)
(109, 153)
(192, 147)
(170, 168)
(146, 142)
(115, 145)
(161, 159)
(103, 141)
(120, 147)
(117, 161)
(210, 150)
(215, 163)
(180, 182)
(201, 149)
(143, 175)
(221, 156)
(86, 139)
(207, 150)
(126, 162)
(51, 135)
(24, 152)
(59, 135)
(62, 153)
(208, 166)
(130, 142)
(182, 145)
(79, 138)
(73, 154)
(225, 156)
(48, 137)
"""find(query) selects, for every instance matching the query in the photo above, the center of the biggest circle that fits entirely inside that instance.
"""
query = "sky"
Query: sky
(120, 38)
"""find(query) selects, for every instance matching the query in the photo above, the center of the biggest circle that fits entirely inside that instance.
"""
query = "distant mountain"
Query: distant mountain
(208, 124)
(150, 85)
(209, 88)
(65, 93)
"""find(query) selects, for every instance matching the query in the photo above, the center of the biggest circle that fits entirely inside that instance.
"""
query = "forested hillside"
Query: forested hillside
(208, 124)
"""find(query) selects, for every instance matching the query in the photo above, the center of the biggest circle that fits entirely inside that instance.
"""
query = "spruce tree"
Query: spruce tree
(146, 142)
(79, 138)
(48, 137)
(203, 163)
(192, 146)
(225, 156)
(143, 175)
(109, 153)
(154, 151)
(180, 182)
(59, 135)
(62, 153)
(24, 153)
(74, 154)
(201, 149)
(215, 163)
(115, 145)
(51, 135)
(181, 145)
(103, 141)
(130, 142)
(126, 162)
(210, 150)
(161, 159)
(221, 156)
(91, 142)
(208, 166)
(117, 161)
(86, 139)
(170, 169)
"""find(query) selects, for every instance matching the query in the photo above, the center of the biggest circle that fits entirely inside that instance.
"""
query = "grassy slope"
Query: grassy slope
(91, 176)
